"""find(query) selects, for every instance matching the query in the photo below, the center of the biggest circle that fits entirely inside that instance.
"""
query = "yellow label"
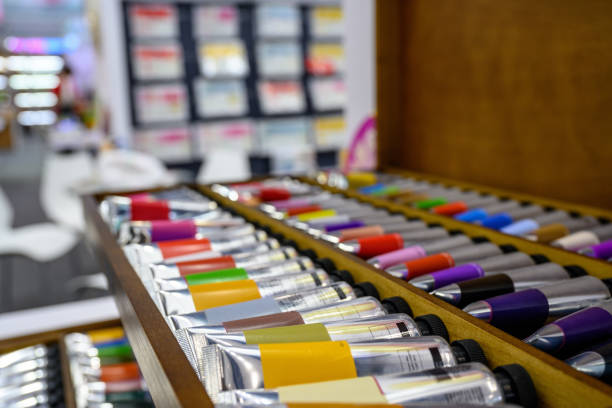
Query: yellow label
(221, 50)
(288, 334)
(327, 50)
(363, 390)
(316, 214)
(359, 179)
(102, 335)
(328, 13)
(223, 293)
(334, 123)
(299, 363)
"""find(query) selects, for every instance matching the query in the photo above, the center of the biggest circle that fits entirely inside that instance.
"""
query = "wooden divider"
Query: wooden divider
(558, 385)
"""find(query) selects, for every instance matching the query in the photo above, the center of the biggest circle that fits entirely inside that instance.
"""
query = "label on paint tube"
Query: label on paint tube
(353, 309)
(253, 308)
(223, 293)
(319, 361)
(171, 249)
(361, 390)
(358, 331)
(449, 386)
(223, 275)
(288, 334)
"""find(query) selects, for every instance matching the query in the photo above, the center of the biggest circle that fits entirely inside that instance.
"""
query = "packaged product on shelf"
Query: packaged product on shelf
(325, 58)
(236, 135)
(220, 98)
(329, 131)
(326, 21)
(157, 61)
(278, 20)
(279, 58)
(281, 96)
(327, 93)
(172, 144)
(223, 368)
(223, 58)
(161, 103)
(216, 21)
(153, 21)
(470, 383)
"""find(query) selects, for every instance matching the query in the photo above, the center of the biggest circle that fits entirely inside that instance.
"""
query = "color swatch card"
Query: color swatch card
(153, 21)
(216, 21)
(220, 97)
(329, 131)
(325, 58)
(279, 58)
(157, 61)
(278, 20)
(172, 143)
(234, 135)
(161, 103)
(223, 59)
(327, 93)
(326, 21)
(281, 97)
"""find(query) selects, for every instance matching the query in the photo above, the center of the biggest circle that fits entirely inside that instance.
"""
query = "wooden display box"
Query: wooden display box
(56, 336)
(513, 95)
(173, 382)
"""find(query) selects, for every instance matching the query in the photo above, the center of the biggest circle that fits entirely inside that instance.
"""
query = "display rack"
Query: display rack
(173, 382)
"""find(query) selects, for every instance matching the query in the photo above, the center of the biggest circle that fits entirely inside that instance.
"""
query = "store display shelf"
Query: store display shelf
(557, 384)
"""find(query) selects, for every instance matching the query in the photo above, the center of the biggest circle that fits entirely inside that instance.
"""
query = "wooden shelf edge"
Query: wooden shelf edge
(595, 267)
(558, 384)
(170, 378)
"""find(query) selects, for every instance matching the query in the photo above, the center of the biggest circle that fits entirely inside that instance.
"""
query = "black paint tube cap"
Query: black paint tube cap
(309, 253)
(517, 385)
(366, 289)
(574, 271)
(431, 325)
(326, 264)
(397, 304)
(539, 258)
(343, 276)
(479, 240)
(507, 248)
(467, 351)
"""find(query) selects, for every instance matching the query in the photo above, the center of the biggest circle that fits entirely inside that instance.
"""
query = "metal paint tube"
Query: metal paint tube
(200, 297)
(144, 232)
(193, 250)
(352, 233)
(359, 308)
(531, 308)
(596, 362)
(418, 251)
(224, 368)
(579, 329)
(471, 383)
(119, 208)
(283, 303)
(247, 261)
(268, 399)
(507, 281)
(274, 270)
(193, 339)
(472, 270)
